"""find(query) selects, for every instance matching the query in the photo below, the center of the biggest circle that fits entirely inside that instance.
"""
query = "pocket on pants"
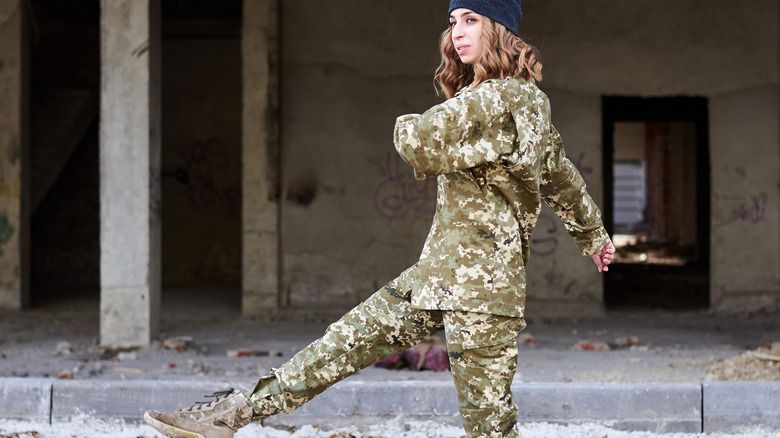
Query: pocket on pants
(471, 330)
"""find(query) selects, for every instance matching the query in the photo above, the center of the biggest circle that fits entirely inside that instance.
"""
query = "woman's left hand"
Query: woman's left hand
(604, 257)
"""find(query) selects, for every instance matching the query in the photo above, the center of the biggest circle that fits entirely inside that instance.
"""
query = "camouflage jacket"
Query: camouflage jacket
(496, 155)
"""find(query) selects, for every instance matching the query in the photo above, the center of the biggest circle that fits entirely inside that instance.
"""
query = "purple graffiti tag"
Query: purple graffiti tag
(202, 188)
(399, 195)
(752, 214)
(579, 163)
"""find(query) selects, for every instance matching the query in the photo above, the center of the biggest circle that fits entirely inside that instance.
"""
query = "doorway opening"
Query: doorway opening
(201, 178)
(656, 165)
(64, 152)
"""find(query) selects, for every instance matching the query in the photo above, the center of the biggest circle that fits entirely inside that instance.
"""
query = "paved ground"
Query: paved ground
(62, 340)
(56, 347)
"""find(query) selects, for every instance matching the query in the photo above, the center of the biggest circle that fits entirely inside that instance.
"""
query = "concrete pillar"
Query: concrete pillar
(129, 172)
(261, 187)
(14, 157)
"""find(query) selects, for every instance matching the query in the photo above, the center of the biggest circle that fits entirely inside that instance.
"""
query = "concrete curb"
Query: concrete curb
(22, 398)
(730, 406)
(723, 407)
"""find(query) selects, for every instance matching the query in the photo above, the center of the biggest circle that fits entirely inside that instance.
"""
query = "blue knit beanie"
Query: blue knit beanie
(506, 12)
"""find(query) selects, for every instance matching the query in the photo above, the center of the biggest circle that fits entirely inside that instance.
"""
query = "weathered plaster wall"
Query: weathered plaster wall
(728, 52)
(351, 221)
(560, 280)
(655, 47)
(354, 217)
(14, 215)
(745, 191)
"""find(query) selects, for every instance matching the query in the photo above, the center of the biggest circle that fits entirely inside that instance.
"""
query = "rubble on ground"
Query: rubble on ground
(761, 364)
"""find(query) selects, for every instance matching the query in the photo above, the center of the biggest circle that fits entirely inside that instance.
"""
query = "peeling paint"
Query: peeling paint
(6, 230)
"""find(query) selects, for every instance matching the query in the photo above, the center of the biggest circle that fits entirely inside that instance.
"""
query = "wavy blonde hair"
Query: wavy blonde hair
(508, 56)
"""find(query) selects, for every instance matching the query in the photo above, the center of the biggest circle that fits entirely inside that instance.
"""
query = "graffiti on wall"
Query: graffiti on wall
(202, 163)
(6, 230)
(400, 196)
(579, 163)
(753, 212)
(548, 242)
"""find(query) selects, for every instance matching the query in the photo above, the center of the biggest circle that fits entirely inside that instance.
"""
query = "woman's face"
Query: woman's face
(466, 34)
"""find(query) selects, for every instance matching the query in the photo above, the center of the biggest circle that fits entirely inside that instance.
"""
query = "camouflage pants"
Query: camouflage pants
(482, 350)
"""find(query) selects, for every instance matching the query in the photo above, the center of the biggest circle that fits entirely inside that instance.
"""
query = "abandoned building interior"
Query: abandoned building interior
(242, 150)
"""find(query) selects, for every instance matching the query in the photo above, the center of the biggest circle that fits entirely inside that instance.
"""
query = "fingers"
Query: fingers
(605, 257)
(598, 261)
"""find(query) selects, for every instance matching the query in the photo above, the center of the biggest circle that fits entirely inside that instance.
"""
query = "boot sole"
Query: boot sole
(168, 430)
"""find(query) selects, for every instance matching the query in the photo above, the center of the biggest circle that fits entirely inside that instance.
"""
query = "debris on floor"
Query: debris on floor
(63, 348)
(129, 370)
(626, 342)
(428, 355)
(591, 346)
(527, 340)
(247, 352)
(757, 365)
(178, 343)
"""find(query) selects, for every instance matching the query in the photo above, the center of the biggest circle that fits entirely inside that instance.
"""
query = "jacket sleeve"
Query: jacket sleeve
(563, 189)
(457, 134)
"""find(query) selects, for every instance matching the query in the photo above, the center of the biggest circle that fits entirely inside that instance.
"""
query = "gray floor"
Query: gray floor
(62, 339)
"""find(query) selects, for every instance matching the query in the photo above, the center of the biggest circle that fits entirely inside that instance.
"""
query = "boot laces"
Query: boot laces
(218, 396)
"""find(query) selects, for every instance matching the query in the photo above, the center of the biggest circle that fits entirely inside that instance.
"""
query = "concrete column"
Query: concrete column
(14, 157)
(261, 188)
(129, 172)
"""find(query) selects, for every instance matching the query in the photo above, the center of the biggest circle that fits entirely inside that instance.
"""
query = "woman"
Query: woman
(496, 156)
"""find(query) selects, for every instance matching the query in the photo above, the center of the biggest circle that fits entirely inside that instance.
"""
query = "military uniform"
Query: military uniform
(496, 155)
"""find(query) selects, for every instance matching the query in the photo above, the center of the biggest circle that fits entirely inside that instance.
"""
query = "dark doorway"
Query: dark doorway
(64, 176)
(656, 166)
(201, 149)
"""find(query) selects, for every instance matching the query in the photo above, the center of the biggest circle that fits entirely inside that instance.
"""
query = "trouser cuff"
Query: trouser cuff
(265, 398)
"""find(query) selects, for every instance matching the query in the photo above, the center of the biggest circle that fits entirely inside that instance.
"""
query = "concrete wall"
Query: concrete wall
(724, 51)
(745, 218)
(560, 280)
(14, 153)
(353, 217)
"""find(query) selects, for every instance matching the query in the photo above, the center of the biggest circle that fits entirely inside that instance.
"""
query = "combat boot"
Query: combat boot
(219, 418)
